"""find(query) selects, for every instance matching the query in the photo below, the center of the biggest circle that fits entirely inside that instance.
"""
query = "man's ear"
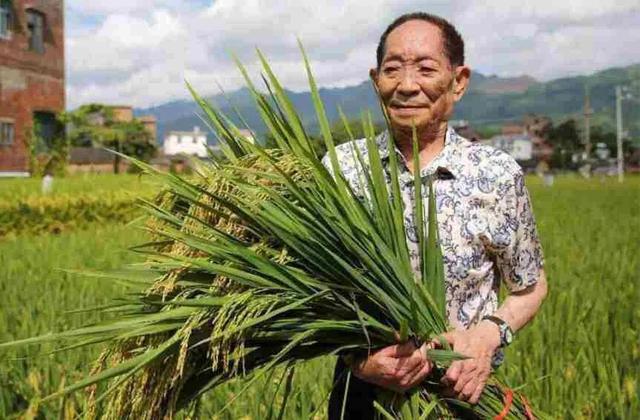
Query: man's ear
(461, 81)
(373, 74)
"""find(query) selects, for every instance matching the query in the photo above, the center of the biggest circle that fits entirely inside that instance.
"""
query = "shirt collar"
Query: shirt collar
(442, 165)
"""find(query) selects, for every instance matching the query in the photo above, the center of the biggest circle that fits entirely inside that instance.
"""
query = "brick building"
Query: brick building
(32, 87)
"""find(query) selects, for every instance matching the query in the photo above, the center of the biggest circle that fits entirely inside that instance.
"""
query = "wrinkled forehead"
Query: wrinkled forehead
(415, 40)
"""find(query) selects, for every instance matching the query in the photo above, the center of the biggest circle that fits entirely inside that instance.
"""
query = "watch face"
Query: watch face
(507, 334)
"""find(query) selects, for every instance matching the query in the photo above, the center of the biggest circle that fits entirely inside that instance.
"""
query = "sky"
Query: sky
(140, 52)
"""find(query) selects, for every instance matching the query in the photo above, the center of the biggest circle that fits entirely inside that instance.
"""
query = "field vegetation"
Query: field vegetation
(73, 202)
(80, 184)
(580, 358)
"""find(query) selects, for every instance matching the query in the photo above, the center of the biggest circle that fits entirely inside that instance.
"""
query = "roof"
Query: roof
(511, 137)
(89, 155)
(119, 106)
(185, 133)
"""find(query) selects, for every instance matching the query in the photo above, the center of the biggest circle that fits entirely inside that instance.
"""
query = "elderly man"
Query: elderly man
(486, 226)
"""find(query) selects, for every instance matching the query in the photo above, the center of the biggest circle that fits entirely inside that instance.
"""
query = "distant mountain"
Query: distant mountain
(490, 100)
(558, 99)
(494, 85)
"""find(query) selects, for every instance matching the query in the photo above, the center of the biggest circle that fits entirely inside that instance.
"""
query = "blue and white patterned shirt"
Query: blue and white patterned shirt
(485, 221)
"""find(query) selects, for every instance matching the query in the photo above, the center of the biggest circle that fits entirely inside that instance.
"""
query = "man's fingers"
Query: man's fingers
(398, 350)
(462, 382)
(410, 363)
(408, 379)
(468, 373)
(420, 374)
(452, 373)
(475, 397)
(468, 389)
(405, 349)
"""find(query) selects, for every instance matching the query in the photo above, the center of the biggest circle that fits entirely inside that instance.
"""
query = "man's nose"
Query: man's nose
(408, 85)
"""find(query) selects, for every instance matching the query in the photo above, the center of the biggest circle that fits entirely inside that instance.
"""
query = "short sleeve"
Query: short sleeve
(349, 168)
(518, 251)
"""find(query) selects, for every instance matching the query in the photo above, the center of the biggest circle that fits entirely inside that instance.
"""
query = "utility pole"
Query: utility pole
(619, 132)
(587, 123)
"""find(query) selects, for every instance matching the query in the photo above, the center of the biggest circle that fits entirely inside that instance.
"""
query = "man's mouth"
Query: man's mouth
(407, 110)
(406, 106)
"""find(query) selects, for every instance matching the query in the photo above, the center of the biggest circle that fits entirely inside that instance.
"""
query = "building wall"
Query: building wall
(122, 113)
(92, 168)
(30, 81)
(151, 125)
(522, 149)
(194, 144)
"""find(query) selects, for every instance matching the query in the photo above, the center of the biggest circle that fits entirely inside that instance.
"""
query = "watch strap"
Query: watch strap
(506, 334)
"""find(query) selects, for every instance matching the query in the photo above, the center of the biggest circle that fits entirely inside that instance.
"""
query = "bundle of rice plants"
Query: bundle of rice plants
(265, 258)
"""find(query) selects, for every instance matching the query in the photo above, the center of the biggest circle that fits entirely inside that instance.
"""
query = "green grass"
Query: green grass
(74, 202)
(580, 358)
(18, 188)
(587, 337)
(36, 294)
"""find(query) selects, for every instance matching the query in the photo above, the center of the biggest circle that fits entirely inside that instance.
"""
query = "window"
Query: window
(6, 133)
(35, 27)
(47, 129)
(5, 18)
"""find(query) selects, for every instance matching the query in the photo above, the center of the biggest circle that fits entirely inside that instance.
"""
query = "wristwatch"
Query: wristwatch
(506, 333)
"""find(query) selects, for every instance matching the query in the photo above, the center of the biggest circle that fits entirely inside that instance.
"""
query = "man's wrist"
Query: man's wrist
(492, 333)
(505, 334)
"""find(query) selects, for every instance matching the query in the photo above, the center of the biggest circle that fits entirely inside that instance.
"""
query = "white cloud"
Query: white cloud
(566, 10)
(102, 8)
(140, 52)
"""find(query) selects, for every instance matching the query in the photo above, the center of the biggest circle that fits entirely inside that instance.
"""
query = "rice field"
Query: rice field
(80, 184)
(580, 358)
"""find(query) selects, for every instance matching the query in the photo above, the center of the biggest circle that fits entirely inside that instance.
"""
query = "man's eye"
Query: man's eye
(390, 69)
(426, 70)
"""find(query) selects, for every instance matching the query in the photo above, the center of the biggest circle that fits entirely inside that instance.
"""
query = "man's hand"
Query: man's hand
(467, 378)
(399, 367)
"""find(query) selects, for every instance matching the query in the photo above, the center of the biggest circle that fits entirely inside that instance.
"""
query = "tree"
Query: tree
(340, 134)
(47, 145)
(316, 141)
(566, 142)
(94, 125)
(338, 131)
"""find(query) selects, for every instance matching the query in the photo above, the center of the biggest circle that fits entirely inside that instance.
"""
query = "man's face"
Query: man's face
(417, 82)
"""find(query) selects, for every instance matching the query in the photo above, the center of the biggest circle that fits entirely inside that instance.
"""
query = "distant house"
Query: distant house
(524, 141)
(124, 114)
(192, 143)
(514, 128)
(463, 128)
(519, 146)
(542, 149)
(90, 160)
(602, 152)
(151, 125)
(86, 156)
(537, 125)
